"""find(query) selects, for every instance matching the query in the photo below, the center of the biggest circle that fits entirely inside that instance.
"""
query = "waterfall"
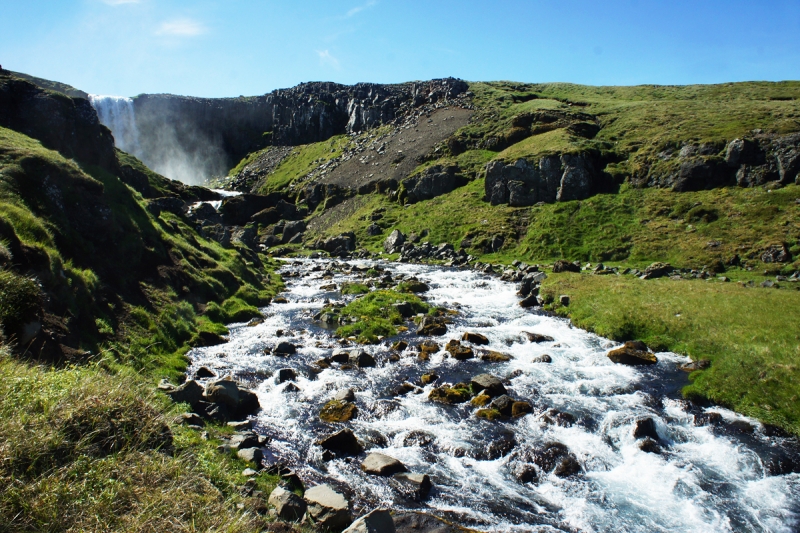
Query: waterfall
(116, 113)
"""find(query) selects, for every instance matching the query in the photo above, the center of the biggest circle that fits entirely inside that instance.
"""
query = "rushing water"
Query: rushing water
(708, 478)
(116, 113)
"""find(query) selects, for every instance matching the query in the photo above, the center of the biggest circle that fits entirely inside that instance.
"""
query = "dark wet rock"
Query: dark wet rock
(489, 414)
(418, 438)
(499, 446)
(430, 326)
(400, 346)
(645, 427)
(207, 338)
(379, 464)
(416, 286)
(377, 521)
(503, 404)
(404, 308)
(241, 441)
(293, 229)
(491, 356)
(361, 359)
(284, 348)
(251, 455)
(394, 241)
(524, 473)
(328, 508)
(427, 348)
(521, 408)
(459, 352)
(286, 374)
(489, 384)
(555, 457)
(429, 378)
(290, 387)
(190, 392)
(475, 338)
(565, 266)
(537, 337)
(204, 372)
(544, 358)
(338, 411)
(340, 357)
(374, 230)
(559, 418)
(708, 419)
(415, 487)
(288, 505)
(417, 522)
(782, 463)
(632, 353)
(449, 395)
(740, 427)
(649, 445)
(343, 441)
(700, 364)
(190, 419)
(657, 270)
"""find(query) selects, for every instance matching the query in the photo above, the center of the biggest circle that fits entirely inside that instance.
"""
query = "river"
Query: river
(716, 470)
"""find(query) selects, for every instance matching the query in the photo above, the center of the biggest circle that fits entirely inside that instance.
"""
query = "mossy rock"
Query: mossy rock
(427, 379)
(495, 357)
(481, 400)
(449, 395)
(489, 414)
(338, 411)
(519, 409)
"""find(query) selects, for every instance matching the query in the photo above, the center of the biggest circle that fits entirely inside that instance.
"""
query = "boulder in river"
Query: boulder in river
(379, 464)
(284, 348)
(555, 457)
(633, 353)
(491, 356)
(361, 359)
(328, 508)
(288, 505)
(378, 521)
(190, 392)
(431, 327)
(521, 408)
(343, 441)
(459, 352)
(544, 358)
(488, 384)
(645, 427)
(475, 338)
(338, 411)
(413, 486)
(449, 395)
(538, 337)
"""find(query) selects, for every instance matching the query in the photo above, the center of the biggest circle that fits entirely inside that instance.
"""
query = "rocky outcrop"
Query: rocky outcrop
(550, 179)
(432, 182)
(67, 125)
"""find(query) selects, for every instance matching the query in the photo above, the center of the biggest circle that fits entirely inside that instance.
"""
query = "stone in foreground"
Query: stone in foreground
(338, 411)
(328, 508)
(343, 441)
(379, 464)
(288, 505)
(378, 521)
(489, 384)
(633, 353)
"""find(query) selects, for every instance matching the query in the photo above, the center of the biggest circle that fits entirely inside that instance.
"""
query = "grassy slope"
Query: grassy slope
(99, 421)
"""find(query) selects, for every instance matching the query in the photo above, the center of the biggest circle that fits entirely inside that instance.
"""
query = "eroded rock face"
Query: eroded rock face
(551, 179)
(432, 182)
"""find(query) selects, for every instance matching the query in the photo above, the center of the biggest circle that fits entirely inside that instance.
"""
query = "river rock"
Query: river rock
(416, 286)
(251, 455)
(284, 348)
(379, 464)
(378, 521)
(338, 411)
(449, 395)
(416, 487)
(404, 308)
(475, 338)
(632, 353)
(340, 357)
(343, 441)
(431, 327)
(190, 392)
(555, 457)
(427, 379)
(286, 374)
(328, 508)
(427, 348)
(488, 384)
(481, 400)
(394, 241)
(223, 391)
(204, 372)
(459, 352)
(645, 427)
(649, 445)
(521, 408)
(491, 356)
(544, 358)
(538, 337)
(345, 395)
(288, 505)
(504, 404)
(565, 266)
(361, 359)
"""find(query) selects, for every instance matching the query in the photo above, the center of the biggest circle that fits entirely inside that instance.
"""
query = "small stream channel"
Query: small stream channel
(717, 471)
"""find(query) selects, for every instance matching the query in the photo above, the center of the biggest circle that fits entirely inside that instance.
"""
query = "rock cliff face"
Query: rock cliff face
(67, 125)
(307, 113)
(551, 179)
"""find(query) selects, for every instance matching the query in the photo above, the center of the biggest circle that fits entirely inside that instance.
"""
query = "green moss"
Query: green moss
(353, 288)
(301, 161)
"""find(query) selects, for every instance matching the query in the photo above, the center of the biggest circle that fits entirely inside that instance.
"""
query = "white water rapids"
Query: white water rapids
(706, 479)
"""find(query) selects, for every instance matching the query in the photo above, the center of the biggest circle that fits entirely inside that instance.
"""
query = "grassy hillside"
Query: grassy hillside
(120, 294)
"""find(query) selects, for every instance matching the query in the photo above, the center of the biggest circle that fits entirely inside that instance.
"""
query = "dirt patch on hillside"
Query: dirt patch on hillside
(394, 155)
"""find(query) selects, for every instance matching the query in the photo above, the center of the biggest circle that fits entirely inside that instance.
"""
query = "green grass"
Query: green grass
(749, 334)
(300, 162)
(376, 316)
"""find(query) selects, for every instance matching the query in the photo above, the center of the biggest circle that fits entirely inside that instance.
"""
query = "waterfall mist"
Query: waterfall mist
(163, 141)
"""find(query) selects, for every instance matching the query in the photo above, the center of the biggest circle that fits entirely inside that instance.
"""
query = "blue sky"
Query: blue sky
(249, 47)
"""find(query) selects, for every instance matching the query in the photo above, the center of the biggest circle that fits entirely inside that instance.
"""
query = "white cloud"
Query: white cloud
(358, 9)
(181, 28)
(120, 2)
(325, 58)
